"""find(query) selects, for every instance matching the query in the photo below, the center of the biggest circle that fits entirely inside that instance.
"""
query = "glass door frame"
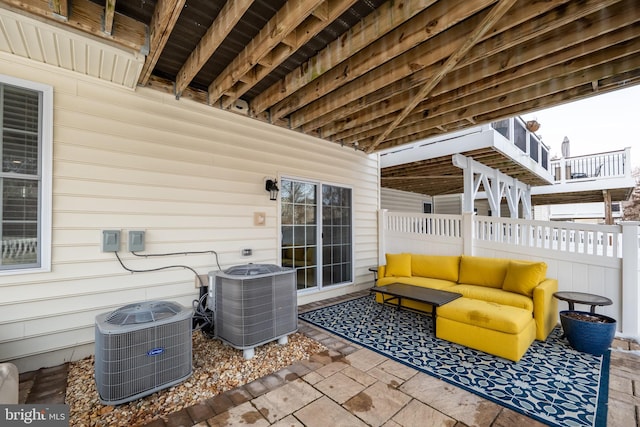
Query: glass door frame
(319, 227)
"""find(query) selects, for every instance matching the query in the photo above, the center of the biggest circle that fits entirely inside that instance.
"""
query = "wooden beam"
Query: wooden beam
(446, 103)
(363, 118)
(87, 16)
(109, 13)
(281, 24)
(611, 76)
(439, 18)
(163, 20)
(566, 45)
(492, 18)
(61, 8)
(581, 57)
(405, 73)
(322, 12)
(617, 60)
(228, 17)
(294, 41)
(357, 38)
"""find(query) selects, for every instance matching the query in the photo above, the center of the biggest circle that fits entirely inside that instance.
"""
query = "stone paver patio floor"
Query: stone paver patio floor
(352, 386)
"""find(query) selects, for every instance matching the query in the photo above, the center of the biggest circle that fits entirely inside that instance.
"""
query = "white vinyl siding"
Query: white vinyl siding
(402, 201)
(189, 175)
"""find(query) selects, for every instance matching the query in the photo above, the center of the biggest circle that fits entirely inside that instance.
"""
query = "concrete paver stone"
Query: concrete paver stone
(243, 415)
(417, 413)
(385, 377)
(330, 369)
(356, 374)
(289, 421)
(313, 378)
(339, 387)
(509, 418)
(621, 384)
(365, 359)
(452, 401)
(377, 404)
(397, 369)
(324, 412)
(621, 414)
(285, 400)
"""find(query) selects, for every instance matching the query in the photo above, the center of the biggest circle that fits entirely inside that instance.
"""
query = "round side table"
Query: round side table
(582, 298)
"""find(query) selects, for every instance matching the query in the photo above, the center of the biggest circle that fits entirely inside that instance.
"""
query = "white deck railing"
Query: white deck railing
(517, 131)
(568, 237)
(434, 225)
(613, 164)
(19, 248)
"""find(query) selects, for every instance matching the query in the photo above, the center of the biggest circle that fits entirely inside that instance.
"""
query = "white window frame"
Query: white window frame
(46, 183)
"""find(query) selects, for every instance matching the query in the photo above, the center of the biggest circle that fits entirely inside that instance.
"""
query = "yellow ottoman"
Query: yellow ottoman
(496, 329)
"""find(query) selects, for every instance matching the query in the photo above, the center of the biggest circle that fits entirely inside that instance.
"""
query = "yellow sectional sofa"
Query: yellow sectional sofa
(505, 304)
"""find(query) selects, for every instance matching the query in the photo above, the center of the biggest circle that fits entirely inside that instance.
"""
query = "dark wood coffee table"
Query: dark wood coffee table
(400, 291)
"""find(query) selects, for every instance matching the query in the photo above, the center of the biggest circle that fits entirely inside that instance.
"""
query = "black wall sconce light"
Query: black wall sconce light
(271, 185)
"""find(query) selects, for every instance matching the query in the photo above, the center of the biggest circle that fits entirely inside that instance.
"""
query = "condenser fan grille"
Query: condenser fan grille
(149, 311)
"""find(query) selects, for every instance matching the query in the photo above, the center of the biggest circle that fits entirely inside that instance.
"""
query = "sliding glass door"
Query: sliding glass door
(336, 235)
(299, 222)
(308, 225)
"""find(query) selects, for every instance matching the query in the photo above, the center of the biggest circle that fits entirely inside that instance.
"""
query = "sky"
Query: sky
(598, 124)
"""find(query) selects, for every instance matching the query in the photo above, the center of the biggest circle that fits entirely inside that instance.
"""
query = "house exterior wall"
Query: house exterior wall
(449, 204)
(189, 175)
(402, 201)
(592, 213)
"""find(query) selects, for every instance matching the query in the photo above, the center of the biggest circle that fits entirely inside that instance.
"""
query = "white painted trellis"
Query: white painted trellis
(496, 185)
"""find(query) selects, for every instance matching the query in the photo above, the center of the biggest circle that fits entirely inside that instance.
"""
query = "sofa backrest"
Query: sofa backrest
(483, 271)
(436, 266)
(510, 275)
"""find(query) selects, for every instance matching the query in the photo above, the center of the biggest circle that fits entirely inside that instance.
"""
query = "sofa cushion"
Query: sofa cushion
(427, 282)
(523, 277)
(435, 266)
(488, 315)
(498, 296)
(483, 271)
(398, 265)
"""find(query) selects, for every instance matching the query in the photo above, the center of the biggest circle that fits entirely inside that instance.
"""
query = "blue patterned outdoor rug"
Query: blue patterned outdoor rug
(552, 383)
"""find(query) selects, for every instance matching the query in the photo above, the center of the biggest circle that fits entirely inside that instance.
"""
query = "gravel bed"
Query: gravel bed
(216, 368)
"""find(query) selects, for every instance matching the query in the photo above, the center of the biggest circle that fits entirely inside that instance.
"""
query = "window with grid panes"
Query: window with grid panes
(21, 177)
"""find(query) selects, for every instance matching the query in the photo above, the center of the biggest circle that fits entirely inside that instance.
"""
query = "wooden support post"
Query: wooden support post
(608, 216)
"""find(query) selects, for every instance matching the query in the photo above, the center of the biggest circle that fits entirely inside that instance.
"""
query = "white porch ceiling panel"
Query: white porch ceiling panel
(26, 37)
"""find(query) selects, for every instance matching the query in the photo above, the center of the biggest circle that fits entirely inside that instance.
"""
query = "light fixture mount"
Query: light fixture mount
(271, 185)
